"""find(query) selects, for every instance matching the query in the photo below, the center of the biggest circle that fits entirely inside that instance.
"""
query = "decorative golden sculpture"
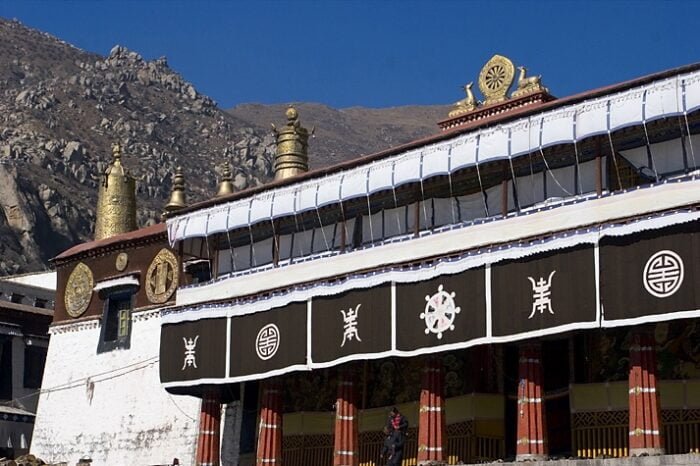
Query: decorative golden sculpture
(292, 147)
(177, 195)
(225, 185)
(78, 291)
(495, 79)
(162, 277)
(122, 261)
(465, 105)
(528, 85)
(116, 200)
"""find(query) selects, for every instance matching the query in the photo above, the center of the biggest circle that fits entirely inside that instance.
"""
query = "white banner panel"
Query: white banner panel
(436, 161)
(558, 128)
(218, 219)
(520, 138)
(381, 175)
(591, 118)
(626, 109)
(329, 190)
(692, 92)
(306, 197)
(464, 152)
(493, 144)
(354, 183)
(407, 168)
(663, 100)
(261, 207)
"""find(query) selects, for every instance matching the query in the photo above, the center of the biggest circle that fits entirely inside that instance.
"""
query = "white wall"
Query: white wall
(111, 406)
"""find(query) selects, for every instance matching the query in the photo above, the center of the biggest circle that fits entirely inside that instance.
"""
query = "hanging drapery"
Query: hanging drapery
(675, 96)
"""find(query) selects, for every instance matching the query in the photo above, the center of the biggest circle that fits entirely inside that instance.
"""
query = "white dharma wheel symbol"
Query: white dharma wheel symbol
(440, 312)
(663, 274)
(267, 342)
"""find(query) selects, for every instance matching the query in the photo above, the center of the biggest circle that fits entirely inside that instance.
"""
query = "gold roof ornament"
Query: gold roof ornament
(225, 185)
(292, 147)
(495, 79)
(528, 84)
(116, 199)
(177, 194)
(466, 105)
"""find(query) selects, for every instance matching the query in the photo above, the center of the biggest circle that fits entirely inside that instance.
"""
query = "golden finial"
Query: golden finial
(225, 185)
(177, 194)
(116, 199)
(292, 147)
(116, 151)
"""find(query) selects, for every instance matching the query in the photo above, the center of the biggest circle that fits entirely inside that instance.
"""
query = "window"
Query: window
(38, 302)
(116, 322)
(5, 368)
(16, 298)
(34, 361)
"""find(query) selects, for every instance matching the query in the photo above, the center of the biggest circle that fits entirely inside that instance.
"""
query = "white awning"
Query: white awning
(129, 280)
(660, 99)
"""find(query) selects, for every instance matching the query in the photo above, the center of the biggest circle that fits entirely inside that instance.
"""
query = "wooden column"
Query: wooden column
(431, 422)
(345, 449)
(209, 430)
(532, 428)
(645, 412)
(269, 451)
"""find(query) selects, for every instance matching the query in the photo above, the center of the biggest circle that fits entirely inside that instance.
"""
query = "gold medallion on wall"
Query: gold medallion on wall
(495, 79)
(162, 277)
(122, 261)
(78, 291)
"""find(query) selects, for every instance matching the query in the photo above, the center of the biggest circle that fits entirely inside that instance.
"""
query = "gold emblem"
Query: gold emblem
(162, 277)
(495, 79)
(122, 261)
(78, 290)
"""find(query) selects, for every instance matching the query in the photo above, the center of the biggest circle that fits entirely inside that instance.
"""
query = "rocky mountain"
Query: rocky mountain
(61, 108)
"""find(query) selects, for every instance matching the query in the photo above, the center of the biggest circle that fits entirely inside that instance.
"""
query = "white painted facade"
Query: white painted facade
(111, 406)
(46, 280)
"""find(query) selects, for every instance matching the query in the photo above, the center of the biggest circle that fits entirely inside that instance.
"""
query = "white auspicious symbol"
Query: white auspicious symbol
(663, 274)
(267, 341)
(541, 295)
(350, 324)
(440, 312)
(190, 352)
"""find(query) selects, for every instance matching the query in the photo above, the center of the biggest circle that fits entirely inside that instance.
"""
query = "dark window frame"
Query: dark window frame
(110, 312)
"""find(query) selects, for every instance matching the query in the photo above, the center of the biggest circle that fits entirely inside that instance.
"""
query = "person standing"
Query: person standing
(397, 425)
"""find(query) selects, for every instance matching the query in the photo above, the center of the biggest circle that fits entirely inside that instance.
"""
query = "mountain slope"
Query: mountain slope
(61, 108)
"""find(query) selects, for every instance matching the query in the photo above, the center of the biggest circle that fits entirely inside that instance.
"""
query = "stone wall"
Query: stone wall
(111, 406)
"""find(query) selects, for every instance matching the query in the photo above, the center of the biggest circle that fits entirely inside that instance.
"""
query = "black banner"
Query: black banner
(543, 291)
(354, 322)
(443, 310)
(650, 273)
(193, 350)
(267, 341)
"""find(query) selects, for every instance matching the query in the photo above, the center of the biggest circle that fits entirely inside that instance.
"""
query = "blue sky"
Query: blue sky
(380, 53)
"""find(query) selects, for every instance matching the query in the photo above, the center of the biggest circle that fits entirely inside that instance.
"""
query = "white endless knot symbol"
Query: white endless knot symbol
(440, 312)
(663, 274)
(267, 341)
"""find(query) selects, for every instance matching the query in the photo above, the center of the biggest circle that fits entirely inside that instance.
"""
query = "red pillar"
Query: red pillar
(270, 429)
(431, 422)
(345, 451)
(645, 411)
(209, 427)
(532, 428)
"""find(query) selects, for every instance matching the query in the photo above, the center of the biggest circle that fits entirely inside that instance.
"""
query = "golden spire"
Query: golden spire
(177, 195)
(116, 199)
(225, 185)
(292, 147)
